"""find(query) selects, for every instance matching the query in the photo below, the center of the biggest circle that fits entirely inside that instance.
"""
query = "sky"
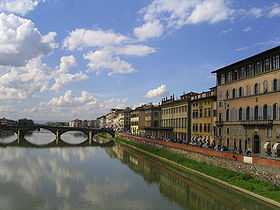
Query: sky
(66, 59)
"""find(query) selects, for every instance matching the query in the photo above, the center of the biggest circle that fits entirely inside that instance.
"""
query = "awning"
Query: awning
(267, 146)
(276, 147)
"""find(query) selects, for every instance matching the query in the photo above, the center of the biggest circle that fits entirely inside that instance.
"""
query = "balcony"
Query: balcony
(266, 123)
(245, 123)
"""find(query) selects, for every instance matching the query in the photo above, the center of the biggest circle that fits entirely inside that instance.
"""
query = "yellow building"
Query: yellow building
(175, 114)
(204, 117)
(248, 98)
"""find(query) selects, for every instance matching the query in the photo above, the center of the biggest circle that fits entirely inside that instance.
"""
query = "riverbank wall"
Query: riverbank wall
(261, 168)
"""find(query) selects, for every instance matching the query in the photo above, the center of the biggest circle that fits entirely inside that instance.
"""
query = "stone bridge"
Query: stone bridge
(58, 132)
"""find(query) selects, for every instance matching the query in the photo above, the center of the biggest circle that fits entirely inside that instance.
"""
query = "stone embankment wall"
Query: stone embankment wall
(261, 168)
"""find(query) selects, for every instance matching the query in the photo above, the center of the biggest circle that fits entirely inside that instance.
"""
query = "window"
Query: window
(248, 113)
(256, 113)
(227, 115)
(256, 89)
(277, 62)
(246, 145)
(269, 132)
(267, 64)
(265, 86)
(240, 114)
(275, 85)
(265, 116)
(233, 93)
(227, 95)
(258, 67)
(274, 112)
(240, 91)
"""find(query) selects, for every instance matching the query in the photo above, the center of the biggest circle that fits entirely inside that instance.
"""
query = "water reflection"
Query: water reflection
(74, 137)
(41, 137)
(7, 136)
(189, 191)
(104, 178)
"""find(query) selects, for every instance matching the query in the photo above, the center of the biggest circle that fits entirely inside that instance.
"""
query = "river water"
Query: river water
(92, 178)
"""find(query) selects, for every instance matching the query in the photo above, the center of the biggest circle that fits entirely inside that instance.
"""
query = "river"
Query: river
(114, 178)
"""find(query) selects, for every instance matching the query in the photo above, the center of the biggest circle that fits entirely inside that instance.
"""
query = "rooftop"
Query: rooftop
(251, 58)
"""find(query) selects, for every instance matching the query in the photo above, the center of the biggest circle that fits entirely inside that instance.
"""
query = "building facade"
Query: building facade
(204, 117)
(7, 122)
(152, 120)
(76, 123)
(176, 114)
(248, 98)
(137, 121)
(101, 121)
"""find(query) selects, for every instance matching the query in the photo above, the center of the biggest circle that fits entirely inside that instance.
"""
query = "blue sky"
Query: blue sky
(62, 59)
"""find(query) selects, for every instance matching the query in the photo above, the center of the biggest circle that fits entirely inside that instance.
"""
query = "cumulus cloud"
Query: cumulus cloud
(62, 76)
(101, 60)
(17, 83)
(157, 92)
(165, 14)
(149, 30)
(21, 7)
(21, 82)
(83, 38)
(110, 59)
(21, 41)
(83, 105)
(69, 100)
(134, 50)
(275, 10)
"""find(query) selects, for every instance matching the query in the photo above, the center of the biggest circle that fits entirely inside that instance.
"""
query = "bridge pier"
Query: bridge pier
(57, 137)
(19, 135)
(90, 136)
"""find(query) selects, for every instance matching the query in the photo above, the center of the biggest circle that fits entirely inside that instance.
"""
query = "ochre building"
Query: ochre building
(248, 98)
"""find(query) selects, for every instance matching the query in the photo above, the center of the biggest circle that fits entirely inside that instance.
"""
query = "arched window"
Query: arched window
(256, 113)
(240, 91)
(233, 93)
(240, 114)
(265, 116)
(227, 115)
(265, 86)
(256, 89)
(274, 112)
(227, 95)
(275, 85)
(248, 113)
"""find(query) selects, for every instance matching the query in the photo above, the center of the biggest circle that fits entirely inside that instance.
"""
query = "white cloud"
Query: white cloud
(134, 50)
(62, 76)
(255, 12)
(275, 10)
(83, 105)
(21, 7)
(82, 38)
(69, 100)
(21, 41)
(149, 30)
(166, 14)
(209, 11)
(157, 92)
(17, 83)
(22, 82)
(109, 59)
(247, 29)
(105, 60)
